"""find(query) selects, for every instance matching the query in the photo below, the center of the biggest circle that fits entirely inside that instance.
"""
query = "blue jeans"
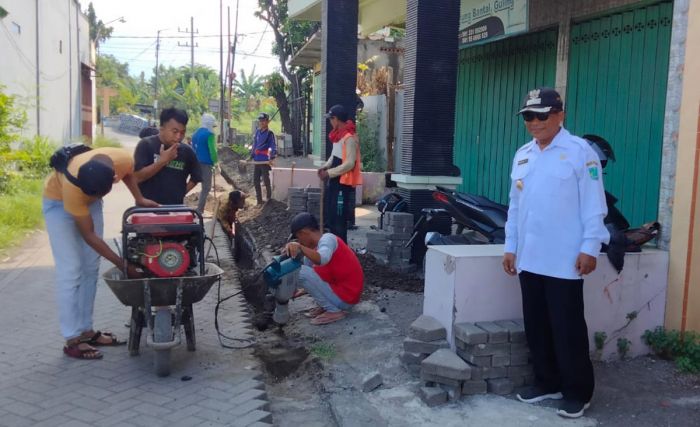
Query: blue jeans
(321, 291)
(77, 266)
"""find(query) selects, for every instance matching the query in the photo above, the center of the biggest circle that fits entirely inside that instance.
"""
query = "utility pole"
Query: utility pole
(155, 98)
(191, 43)
(221, 70)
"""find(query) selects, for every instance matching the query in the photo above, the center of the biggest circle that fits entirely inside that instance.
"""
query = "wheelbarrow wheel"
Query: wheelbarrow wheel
(162, 332)
(188, 324)
(135, 328)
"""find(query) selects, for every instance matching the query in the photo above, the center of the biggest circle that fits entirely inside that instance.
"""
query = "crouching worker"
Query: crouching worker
(331, 273)
(228, 209)
(72, 208)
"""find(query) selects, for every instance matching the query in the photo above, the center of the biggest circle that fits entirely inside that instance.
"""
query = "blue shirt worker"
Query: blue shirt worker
(554, 234)
(204, 144)
(264, 150)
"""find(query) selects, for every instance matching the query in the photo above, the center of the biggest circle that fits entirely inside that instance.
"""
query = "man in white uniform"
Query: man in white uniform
(553, 237)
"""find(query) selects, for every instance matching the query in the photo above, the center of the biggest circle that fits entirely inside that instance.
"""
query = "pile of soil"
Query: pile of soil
(381, 276)
(269, 224)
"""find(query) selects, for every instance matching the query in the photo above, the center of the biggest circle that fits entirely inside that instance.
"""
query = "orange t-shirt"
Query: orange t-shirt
(75, 202)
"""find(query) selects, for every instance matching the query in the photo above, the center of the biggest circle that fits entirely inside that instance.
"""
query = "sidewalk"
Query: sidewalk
(41, 386)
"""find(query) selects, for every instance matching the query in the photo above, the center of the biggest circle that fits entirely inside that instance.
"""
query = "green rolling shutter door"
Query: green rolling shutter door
(618, 69)
(491, 84)
(317, 117)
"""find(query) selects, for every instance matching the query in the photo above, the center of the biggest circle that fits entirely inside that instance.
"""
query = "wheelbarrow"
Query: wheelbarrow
(173, 298)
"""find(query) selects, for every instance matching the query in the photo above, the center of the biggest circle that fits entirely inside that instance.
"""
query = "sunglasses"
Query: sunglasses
(529, 116)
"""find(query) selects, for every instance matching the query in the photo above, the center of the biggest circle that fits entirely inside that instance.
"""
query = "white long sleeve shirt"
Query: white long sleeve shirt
(557, 206)
(350, 156)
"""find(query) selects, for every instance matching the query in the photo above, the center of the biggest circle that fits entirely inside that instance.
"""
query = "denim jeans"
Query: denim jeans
(207, 171)
(321, 291)
(77, 266)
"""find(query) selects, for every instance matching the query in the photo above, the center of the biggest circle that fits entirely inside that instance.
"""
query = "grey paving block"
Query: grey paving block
(482, 361)
(516, 331)
(412, 358)
(497, 361)
(256, 416)
(519, 348)
(427, 328)
(489, 373)
(519, 359)
(413, 370)
(519, 371)
(469, 333)
(497, 334)
(371, 381)
(445, 363)
(432, 396)
(474, 387)
(500, 386)
(415, 346)
(430, 378)
(454, 392)
(500, 349)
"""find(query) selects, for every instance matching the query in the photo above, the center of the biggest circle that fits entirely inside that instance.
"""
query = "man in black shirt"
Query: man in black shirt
(163, 165)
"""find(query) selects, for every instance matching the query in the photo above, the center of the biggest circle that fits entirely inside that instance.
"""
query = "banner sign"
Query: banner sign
(484, 20)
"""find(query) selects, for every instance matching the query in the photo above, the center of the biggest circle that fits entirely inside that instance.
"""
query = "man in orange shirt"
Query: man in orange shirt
(72, 208)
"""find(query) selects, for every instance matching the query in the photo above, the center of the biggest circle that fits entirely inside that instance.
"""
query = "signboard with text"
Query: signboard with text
(484, 20)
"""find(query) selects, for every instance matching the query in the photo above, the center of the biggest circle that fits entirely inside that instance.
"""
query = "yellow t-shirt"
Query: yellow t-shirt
(75, 202)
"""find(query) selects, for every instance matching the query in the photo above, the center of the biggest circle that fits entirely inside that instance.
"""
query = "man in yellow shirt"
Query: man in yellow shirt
(72, 208)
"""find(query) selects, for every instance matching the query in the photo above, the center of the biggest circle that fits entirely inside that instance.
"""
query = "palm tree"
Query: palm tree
(249, 86)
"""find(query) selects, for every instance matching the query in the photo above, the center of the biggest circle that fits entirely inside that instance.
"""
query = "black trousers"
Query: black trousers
(337, 222)
(557, 335)
(262, 171)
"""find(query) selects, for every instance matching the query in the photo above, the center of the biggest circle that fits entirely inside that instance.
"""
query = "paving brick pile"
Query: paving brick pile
(388, 246)
(313, 201)
(304, 200)
(497, 355)
(129, 123)
(425, 336)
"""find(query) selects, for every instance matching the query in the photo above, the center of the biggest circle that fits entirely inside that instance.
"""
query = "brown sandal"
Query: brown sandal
(74, 351)
(94, 340)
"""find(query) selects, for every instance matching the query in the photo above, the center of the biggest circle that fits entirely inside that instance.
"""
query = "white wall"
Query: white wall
(62, 46)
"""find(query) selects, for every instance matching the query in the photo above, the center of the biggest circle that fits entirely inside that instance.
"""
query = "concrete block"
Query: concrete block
(412, 358)
(453, 392)
(482, 361)
(518, 381)
(500, 349)
(413, 370)
(427, 328)
(519, 359)
(444, 363)
(500, 386)
(431, 378)
(474, 387)
(416, 346)
(432, 396)
(485, 373)
(497, 334)
(469, 333)
(519, 348)
(497, 361)
(519, 371)
(372, 381)
(516, 331)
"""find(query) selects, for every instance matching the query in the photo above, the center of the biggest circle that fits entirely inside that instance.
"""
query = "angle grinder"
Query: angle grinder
(281, 277)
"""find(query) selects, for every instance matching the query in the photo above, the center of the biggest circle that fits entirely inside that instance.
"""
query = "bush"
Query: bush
(670, 345)
(20, 210)
(368, 132)
(101, 141)
(241, 150)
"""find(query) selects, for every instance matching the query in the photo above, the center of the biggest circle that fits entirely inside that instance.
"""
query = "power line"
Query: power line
(185, 37)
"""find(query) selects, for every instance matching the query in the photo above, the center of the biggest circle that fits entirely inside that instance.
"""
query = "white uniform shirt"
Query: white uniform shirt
(557, 206)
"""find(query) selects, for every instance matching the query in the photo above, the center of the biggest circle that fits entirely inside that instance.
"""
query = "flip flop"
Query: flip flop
(328, 317)
(314, 312)
(86, 354)
(94, 340)
(299, 292)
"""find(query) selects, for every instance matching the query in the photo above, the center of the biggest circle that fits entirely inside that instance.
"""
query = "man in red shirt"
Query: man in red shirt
(331, 273)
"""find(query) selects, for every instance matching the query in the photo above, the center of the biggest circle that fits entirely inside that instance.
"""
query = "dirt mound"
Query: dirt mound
(268, 223)
(382, 276)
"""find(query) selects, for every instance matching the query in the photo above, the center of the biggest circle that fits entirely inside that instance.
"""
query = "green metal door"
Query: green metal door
(618, 68)
(317, 116)
(492, 81)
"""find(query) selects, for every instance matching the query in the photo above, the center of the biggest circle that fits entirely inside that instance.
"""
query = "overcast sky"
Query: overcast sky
(134, 41)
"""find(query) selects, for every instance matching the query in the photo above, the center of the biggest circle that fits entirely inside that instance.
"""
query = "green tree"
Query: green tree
(290, 36)
(178, 88)
(12, 119)
(249, 86)
(99, 32)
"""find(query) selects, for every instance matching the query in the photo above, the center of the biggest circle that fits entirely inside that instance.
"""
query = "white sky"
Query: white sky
(145, 17)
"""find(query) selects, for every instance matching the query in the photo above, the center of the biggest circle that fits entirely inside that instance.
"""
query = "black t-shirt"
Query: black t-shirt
(169, 185)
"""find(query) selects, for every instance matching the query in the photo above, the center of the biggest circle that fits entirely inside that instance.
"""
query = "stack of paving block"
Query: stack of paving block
(313, 201)
(497, 354)
(388, 246)
(425, 336)
(297, 198)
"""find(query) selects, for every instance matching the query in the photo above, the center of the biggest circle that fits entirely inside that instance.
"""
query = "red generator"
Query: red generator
(167, 241)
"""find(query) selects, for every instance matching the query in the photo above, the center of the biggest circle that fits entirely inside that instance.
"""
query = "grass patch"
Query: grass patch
(20, 211)
(101, 141)
(323, 350)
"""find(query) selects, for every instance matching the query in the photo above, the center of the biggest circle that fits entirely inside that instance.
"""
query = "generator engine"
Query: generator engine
(164, 244)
